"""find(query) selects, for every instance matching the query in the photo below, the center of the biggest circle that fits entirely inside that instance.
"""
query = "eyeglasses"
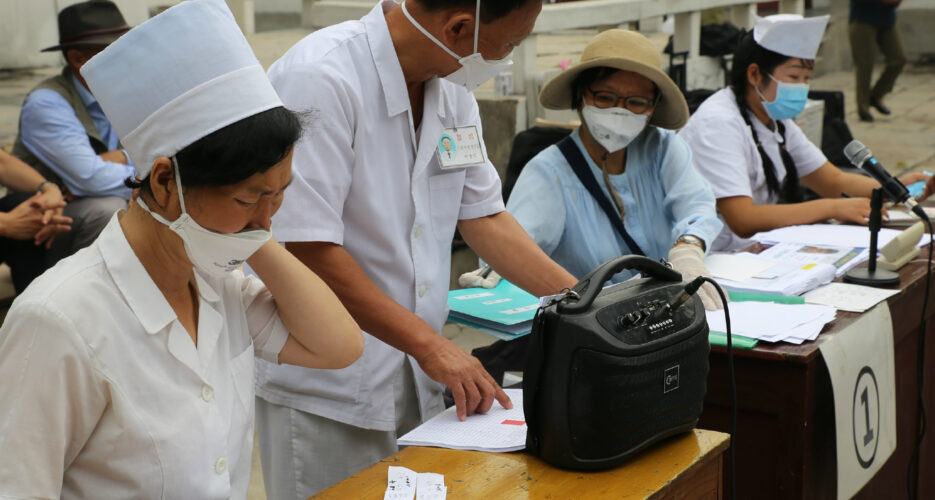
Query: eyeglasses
(638, 104)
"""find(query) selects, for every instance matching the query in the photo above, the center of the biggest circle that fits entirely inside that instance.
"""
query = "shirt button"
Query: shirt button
(220, 466)
(418, 231)
(207, 393)
(422, 291)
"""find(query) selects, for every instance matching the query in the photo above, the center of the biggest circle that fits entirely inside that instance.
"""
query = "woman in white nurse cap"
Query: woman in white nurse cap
(747, 145)
(128, 368)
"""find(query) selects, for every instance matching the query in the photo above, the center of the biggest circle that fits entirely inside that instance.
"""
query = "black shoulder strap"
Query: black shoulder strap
(580, 166)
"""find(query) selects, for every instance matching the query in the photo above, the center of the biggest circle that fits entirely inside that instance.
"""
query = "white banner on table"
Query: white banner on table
(860, 361)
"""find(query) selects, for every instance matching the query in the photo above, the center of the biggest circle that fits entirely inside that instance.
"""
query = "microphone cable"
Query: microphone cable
(690, 290)
(912, 472)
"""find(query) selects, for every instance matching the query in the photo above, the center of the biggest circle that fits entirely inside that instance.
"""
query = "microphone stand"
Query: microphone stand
(870, 275)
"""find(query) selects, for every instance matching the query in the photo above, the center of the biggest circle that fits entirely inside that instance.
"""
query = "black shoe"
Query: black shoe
(865, 116)
(879, 106)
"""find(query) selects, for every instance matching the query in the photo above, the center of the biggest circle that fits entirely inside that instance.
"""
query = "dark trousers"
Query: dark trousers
(26, 260)
(865, 39)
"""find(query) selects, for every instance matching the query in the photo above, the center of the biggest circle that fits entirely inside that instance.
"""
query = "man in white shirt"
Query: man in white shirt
(373, 209)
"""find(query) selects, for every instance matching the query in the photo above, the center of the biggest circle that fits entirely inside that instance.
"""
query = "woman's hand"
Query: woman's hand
(919, 176)
(855, 210)
(688, 260)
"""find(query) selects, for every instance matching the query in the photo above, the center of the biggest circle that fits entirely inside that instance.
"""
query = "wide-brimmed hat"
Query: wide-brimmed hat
(629, 51)
(91, 23)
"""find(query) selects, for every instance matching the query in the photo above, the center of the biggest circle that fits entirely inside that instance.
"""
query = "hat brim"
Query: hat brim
(99, 41)
(671, 111)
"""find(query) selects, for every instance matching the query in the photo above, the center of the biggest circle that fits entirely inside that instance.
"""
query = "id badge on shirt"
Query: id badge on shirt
(460, 147)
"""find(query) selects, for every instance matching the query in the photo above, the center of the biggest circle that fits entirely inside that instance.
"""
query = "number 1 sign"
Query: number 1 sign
(860, 361)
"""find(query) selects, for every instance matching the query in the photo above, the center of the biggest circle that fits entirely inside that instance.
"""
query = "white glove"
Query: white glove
(474, 279)
(689, 260)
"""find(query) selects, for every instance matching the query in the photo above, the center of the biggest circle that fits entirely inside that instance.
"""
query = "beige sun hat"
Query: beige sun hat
(626, 50)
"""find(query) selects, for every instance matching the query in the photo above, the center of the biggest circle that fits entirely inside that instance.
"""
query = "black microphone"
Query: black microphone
(861, 157)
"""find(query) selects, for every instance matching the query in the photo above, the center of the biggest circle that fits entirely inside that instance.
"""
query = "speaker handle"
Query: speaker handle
(590, 286)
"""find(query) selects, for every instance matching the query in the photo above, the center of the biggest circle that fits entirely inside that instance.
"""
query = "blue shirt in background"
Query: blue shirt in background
(50, 129)
(663, 195)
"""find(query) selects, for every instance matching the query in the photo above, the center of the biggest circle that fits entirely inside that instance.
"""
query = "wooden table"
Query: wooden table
(785, 440)
(686, 466)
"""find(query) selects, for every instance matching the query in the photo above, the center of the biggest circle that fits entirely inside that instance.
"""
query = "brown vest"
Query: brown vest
(64, 86)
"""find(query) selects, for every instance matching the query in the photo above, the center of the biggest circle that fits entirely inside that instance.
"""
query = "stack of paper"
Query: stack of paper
(505, 311)
(771, 322)
(744, 272)
(842, 258)
(497, 430)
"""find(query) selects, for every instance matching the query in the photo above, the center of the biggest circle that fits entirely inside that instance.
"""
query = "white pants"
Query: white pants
(302, 454)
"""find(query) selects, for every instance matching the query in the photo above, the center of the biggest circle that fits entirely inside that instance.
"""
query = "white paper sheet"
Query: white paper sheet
(848, 297)
(735, 266)
(861, 365)
(836, 235)
(400, 484)
(431, 486)
(497, 430)
(771, 322)
(405, 484)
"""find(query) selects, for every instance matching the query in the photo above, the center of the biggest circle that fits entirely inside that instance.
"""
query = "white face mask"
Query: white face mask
(216, 254)
(613, 128)
(474, 70)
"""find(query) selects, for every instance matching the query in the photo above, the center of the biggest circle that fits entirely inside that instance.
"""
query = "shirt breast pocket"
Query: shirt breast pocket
(445, 203)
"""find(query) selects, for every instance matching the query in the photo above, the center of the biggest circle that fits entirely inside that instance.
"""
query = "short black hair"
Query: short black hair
(490, 10)
(589, 77)
(236, 152)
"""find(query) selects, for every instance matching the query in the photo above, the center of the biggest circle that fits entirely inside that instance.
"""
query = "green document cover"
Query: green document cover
(504, 308)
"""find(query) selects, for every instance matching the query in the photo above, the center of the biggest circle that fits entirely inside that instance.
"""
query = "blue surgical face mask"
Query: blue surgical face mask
(790, 100)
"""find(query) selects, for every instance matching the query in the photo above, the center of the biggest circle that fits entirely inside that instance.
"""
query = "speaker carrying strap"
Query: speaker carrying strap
(580, 167)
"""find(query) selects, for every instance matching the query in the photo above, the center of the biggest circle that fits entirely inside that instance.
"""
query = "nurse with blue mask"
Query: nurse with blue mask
(747, 145)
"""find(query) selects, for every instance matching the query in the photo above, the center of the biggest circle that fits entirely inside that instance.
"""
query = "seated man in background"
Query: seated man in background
(64, 134)
(30, 218)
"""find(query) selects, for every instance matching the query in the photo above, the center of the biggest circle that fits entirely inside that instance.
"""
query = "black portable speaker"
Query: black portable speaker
(612, 370)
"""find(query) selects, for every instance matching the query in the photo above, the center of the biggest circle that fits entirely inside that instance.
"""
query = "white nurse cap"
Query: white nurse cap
(790, 34)
(176, 78)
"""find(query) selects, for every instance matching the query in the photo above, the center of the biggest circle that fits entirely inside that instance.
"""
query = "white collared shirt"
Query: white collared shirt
(727, 157)
(367, 180)
(104, 394)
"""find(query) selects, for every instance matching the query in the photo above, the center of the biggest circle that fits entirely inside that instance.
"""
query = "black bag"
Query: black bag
(526, 145)
(835, 134)
(716, 40)
(614, 371)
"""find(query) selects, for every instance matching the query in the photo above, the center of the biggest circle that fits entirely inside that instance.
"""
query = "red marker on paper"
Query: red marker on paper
(514, 422)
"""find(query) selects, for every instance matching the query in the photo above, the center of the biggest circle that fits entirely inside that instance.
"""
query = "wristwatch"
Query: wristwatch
(691, 240)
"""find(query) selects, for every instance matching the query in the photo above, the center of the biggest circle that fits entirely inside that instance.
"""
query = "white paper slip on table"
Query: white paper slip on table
(497, 430)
